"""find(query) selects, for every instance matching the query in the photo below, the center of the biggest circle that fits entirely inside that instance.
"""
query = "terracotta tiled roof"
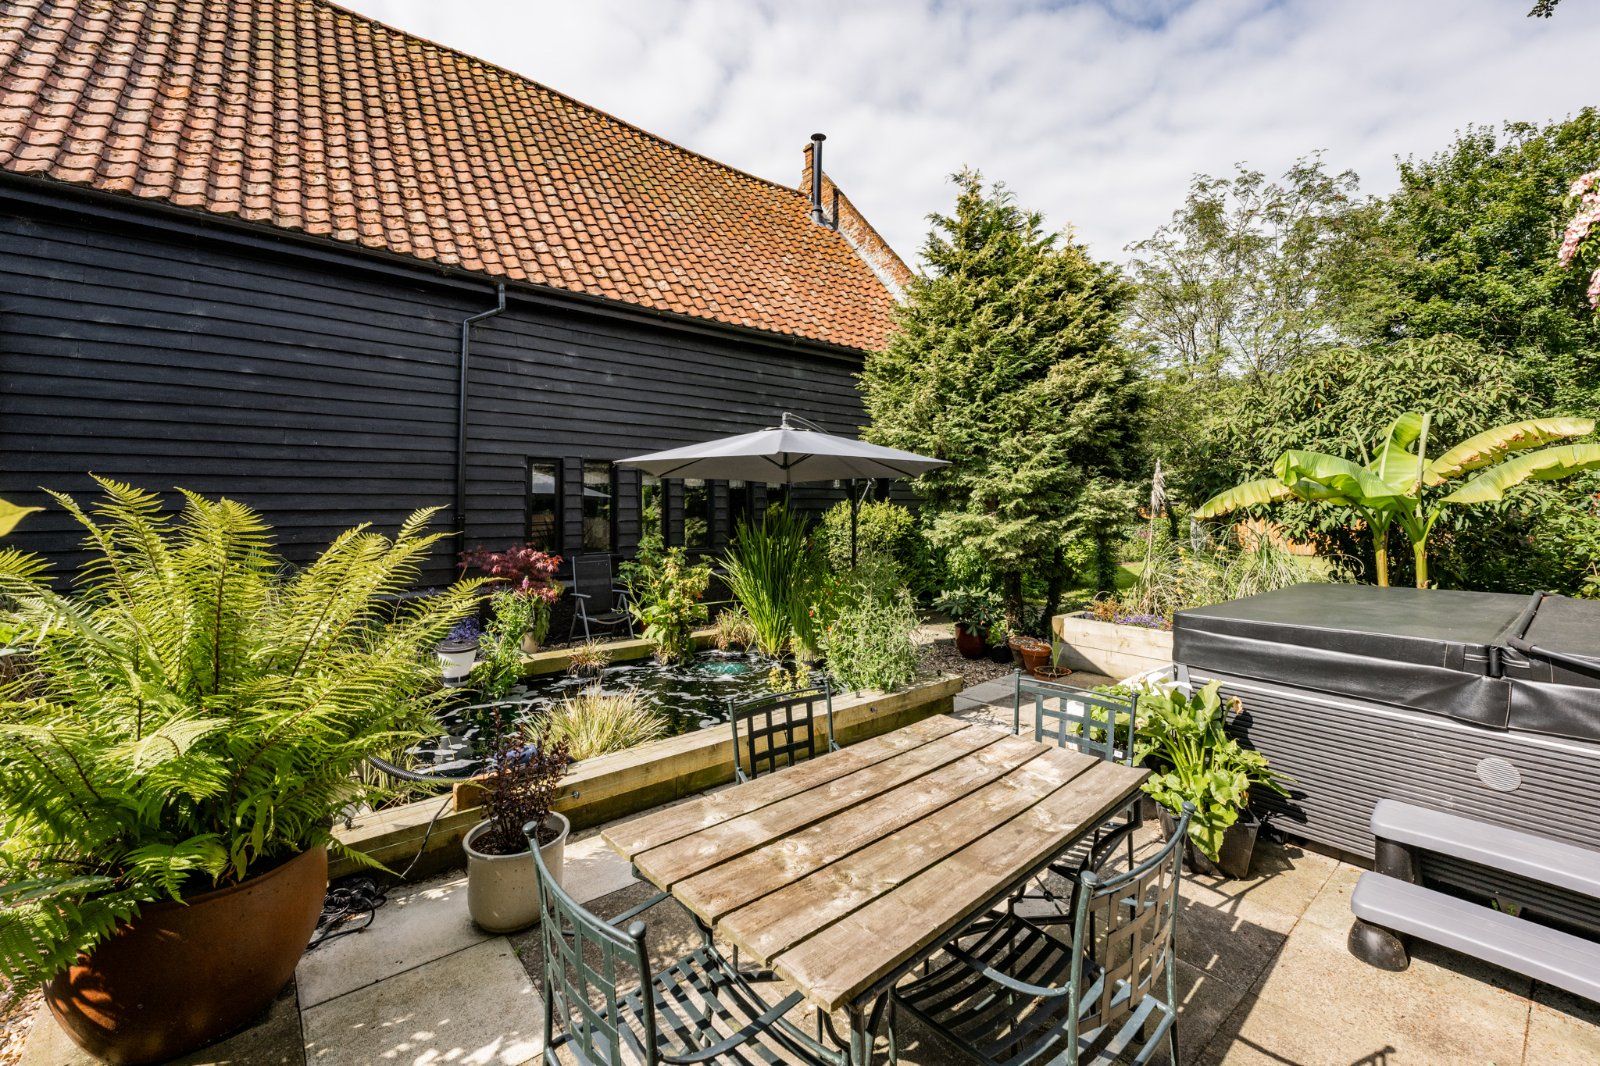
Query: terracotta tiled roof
(301, 115)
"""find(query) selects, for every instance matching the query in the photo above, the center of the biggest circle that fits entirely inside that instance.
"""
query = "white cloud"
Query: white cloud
(1095, 113)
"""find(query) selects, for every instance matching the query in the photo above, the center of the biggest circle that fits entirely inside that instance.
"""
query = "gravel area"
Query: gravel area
(941, 657)
(16, 1018)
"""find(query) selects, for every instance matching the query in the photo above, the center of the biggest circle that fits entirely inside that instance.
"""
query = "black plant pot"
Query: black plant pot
(1001, 653)
(1238, 845)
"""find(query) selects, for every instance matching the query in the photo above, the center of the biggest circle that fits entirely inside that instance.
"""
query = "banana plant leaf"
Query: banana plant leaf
(1330, 479)
(1493, 445)
(1250, 494)
(1396, 463)
(1547, 464)
(11, 514)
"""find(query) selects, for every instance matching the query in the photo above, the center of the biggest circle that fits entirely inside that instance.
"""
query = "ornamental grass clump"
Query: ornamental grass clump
(196, 713)
(597, 723)
(589, 659)
(733, 631)
(775, 574)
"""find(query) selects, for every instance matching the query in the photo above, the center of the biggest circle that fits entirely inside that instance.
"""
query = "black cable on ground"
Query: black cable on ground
(351, 904)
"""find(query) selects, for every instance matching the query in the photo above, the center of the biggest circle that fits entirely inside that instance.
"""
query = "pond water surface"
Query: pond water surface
(688, 696)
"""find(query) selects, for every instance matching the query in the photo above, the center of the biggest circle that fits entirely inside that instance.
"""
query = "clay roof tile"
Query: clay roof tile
(302, 115)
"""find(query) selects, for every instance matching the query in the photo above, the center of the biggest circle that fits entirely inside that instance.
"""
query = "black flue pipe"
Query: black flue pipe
(818, 216)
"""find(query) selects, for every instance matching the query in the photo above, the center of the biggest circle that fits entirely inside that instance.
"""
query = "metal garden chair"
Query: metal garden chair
(779, 730)
(697, 1009)
(1094, 724)
(1012, 993)
(597, 602)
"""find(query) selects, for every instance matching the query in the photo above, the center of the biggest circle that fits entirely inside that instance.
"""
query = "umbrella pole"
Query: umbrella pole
(855, 510)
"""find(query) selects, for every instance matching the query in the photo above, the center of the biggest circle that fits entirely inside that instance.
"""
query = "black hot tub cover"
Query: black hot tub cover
(1500, 660)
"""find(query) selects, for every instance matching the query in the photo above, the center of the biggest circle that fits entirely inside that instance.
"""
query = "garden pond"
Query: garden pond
(688, 696)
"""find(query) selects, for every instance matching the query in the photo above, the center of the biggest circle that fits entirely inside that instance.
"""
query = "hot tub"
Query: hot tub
(1482, 704)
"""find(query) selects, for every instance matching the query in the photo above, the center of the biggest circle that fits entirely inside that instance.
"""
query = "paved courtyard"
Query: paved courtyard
(1264, 978)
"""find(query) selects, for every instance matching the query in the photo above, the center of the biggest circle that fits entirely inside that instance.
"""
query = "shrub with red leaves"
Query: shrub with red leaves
(525, 570)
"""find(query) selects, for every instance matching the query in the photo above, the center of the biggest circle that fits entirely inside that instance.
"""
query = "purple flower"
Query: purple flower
(1146, 621)
(465, 631)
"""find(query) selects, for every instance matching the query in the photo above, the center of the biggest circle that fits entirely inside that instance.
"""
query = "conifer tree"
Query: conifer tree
(1009, 363)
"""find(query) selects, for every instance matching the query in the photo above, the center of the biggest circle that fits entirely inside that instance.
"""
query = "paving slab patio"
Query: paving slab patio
(1263, 977)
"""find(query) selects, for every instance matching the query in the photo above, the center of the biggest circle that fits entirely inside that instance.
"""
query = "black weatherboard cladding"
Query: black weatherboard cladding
(320, 386)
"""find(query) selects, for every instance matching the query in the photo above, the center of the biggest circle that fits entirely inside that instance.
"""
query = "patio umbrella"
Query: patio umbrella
(790, 454)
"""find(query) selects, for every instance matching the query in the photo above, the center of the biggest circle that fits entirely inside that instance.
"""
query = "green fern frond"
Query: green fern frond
(198, 711)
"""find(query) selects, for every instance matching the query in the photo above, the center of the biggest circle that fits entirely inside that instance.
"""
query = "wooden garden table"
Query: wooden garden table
(843, 873)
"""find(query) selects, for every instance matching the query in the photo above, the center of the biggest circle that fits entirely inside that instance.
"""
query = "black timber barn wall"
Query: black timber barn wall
(320, 386)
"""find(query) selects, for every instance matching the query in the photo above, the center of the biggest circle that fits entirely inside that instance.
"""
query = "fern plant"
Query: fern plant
(196, 713)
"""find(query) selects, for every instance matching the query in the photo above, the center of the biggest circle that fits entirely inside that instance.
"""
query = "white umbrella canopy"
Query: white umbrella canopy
(786, 455)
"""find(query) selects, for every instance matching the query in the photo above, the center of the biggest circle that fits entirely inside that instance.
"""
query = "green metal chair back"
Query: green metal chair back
(585, 960)
(1018, 995)
(1134, 919)
(1090, 722)
(771, 732)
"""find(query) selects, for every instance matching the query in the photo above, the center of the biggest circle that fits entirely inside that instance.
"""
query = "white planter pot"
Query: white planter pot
(503, 890)
(456, 661)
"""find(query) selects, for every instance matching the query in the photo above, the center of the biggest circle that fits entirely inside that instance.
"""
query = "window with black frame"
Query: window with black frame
(652, 509)
(597, 496)
(544, 504)
(696, 514)
(741, 505)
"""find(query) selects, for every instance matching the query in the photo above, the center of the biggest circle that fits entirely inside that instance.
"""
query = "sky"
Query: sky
(1098, 114)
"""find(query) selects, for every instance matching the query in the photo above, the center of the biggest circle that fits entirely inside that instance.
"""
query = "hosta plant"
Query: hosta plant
(1184, 738)
(195, 713)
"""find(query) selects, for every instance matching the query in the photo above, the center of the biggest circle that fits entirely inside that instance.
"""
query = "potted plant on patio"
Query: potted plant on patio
(1183, 738)
(173, 761)
(517, 789)
(975, 612)
(1033, 653)
(459, 650)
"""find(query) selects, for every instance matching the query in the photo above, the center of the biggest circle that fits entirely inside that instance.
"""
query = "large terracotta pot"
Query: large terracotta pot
(971, 643)
(180, 975)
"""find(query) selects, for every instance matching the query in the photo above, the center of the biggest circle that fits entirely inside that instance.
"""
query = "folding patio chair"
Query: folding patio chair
(598, 602)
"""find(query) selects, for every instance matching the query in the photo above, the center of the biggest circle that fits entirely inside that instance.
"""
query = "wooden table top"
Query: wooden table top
(840, 870)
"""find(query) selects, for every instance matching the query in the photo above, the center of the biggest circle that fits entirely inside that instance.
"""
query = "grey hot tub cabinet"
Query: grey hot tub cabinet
(1482, 704)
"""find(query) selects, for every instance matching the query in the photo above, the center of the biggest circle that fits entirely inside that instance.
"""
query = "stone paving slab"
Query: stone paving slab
(475, 1007)
(418, 924)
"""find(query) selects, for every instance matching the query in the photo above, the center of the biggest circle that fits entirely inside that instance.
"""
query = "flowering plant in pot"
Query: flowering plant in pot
(172, 763)
(459, 649)
(1183, 738)
(517, 788)
(528, 575)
